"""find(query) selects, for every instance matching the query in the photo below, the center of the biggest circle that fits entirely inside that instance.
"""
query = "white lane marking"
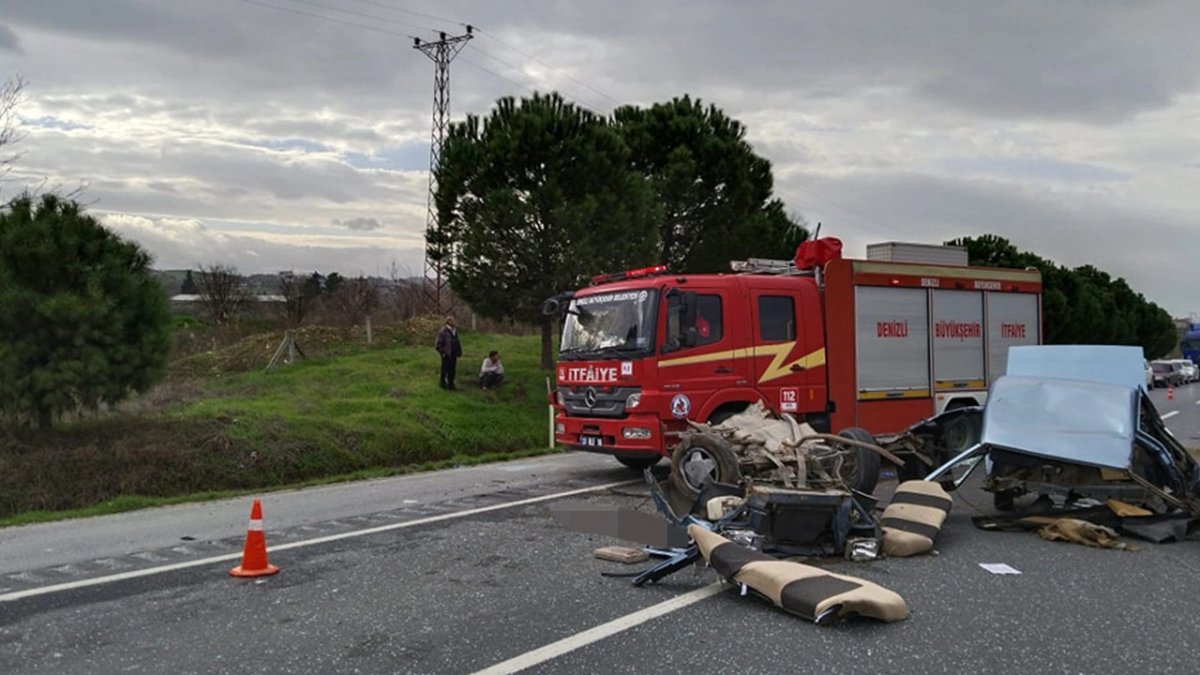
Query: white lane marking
(1170, 414)
(134, 574)
(587, 637)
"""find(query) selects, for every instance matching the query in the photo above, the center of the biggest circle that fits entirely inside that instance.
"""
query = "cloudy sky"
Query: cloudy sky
(293, 134)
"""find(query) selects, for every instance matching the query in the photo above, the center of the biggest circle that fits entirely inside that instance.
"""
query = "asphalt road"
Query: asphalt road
(461, 570)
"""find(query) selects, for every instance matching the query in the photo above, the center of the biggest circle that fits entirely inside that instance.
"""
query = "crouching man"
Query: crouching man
(491, 373)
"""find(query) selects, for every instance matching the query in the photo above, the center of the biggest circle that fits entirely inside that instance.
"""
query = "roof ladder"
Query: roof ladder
(767, 266)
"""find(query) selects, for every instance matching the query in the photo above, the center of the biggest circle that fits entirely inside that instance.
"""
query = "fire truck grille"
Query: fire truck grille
(596, 401)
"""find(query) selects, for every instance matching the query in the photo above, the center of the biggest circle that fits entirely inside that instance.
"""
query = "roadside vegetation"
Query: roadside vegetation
(221, 425)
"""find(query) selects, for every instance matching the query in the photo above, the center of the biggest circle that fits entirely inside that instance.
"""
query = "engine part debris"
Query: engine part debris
(776, 450)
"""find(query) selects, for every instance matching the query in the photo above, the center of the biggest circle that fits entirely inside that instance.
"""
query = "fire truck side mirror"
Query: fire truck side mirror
(681, 320)
(557, 304)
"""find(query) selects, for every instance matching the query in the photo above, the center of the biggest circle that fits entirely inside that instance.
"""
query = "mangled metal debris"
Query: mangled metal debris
(1071, 424)
(777, 450)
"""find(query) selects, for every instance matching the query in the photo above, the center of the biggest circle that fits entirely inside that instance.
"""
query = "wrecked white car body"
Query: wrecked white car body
(1076, 421)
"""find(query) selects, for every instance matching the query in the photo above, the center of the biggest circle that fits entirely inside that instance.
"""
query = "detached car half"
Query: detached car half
(1076, 421)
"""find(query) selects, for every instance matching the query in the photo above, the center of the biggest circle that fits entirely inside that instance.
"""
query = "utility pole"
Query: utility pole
(437, 248)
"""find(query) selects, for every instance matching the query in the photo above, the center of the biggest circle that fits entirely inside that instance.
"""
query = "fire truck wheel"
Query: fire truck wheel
(860, 466)
(700, 459)
(639, 463)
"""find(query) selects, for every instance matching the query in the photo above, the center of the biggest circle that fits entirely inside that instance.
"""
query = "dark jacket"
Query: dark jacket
(448, 343)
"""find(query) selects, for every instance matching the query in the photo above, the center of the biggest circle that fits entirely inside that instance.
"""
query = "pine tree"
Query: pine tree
(82, 322)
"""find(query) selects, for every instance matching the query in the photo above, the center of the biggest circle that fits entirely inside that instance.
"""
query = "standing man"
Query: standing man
(491, 373)
(450, 348)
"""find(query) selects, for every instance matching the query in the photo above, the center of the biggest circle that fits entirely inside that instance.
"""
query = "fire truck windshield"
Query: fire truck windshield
(610, 324)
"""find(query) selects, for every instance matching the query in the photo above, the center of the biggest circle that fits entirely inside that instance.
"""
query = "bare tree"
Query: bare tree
(297, 300)
(356, 299)
(221, 292)
(11, 94)
(407, 298)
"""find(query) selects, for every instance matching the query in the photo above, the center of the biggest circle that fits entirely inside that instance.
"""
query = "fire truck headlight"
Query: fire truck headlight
(636, 433)
(560, 428)
(558, 397)
(633, 401)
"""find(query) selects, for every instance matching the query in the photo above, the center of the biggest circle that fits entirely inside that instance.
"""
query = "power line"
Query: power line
(508, 65)
(412, 12)
(301, 12)
(385, 31)
(493, 73)
(493, 36)
(362, 14)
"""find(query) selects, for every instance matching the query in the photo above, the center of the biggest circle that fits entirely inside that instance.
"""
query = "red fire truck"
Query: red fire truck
(851, 343)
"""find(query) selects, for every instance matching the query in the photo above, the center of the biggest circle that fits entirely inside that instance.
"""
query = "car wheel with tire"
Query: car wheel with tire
(700, 459)
(860, 466)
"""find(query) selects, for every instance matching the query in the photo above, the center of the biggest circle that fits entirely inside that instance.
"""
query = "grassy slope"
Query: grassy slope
(381, 407)
(356, 411)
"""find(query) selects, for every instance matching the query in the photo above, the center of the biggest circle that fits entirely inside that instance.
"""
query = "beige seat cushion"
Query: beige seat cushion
(913, 519)
(809, 592)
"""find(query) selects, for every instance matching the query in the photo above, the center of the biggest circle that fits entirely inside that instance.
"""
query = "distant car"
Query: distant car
(1166, 374)
(1149, 374)
(1186, 369)
(1190, 372)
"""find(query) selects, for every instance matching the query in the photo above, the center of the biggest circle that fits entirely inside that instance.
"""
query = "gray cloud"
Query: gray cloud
(9, 40)
(361, 224)
(1061, 125)
(1138, 245)
(177, 244)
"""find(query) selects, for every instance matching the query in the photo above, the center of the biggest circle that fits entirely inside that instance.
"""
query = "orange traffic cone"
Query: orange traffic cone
(1170, 393)
(254, 555)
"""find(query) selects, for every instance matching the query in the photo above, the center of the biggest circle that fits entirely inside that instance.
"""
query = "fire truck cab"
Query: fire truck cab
(855, 343)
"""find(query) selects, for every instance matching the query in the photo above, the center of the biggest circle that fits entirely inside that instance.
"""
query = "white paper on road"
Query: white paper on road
(999, 568)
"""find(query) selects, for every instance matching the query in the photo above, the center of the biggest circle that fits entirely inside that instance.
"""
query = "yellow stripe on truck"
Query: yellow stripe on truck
(779, 366)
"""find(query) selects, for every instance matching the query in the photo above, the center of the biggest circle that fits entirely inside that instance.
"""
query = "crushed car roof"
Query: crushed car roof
(1095, 363)
(1072, 420)
(1077, 403)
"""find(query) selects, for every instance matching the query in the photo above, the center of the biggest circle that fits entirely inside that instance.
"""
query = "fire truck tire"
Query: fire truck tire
(639, 463)
(700, 459)
(860, 471)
